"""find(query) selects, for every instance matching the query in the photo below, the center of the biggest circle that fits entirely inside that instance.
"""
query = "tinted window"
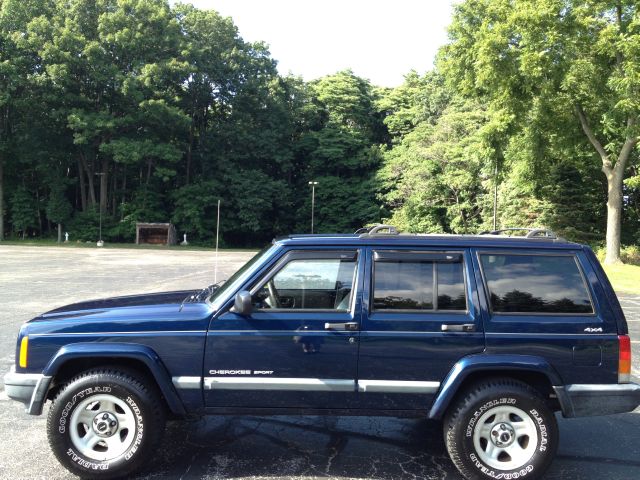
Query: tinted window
(451, 287)
(309, 284)
(535, 283)
(403, 286)
(409, 285)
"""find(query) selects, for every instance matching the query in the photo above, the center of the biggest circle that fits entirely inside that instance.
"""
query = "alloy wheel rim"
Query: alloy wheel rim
(102, 427)
(505, 438)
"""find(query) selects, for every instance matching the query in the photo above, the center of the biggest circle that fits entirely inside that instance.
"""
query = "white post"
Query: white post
(313, 200)
(215, 272)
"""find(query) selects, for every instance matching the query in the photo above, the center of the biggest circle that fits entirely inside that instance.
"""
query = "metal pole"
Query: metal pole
(313, 201)
(495, 198)
(215, 272)
(313, 204)
(101, 174)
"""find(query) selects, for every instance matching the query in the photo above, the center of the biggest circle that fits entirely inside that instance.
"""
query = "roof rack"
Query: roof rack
(379, 229)
(531, 232)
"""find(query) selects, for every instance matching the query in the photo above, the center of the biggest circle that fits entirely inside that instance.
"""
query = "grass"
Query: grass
(54, 243)
(624, 278)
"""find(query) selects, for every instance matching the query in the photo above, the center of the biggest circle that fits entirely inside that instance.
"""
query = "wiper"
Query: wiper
(201, 294)
(207, 291)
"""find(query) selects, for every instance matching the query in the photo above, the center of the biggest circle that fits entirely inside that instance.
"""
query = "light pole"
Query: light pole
(495, 198)
(100, 242)
(313, 201)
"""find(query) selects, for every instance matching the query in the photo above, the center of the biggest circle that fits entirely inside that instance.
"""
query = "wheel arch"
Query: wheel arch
(533, 370)
(72, 359)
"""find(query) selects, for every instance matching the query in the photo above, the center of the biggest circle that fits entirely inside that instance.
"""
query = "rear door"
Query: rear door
(420, 316)
(549, 303)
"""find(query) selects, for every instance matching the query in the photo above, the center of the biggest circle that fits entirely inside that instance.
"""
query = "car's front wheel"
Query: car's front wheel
(502, 429)
(105, 423)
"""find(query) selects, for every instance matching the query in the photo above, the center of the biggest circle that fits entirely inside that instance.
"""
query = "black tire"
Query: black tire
(489, 409)
(133, 428)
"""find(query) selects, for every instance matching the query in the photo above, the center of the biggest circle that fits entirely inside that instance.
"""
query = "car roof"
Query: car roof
(426, 240)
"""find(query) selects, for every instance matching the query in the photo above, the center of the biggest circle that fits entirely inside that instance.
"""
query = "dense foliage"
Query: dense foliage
(149, 112)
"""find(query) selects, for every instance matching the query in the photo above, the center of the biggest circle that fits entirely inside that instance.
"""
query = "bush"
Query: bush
(629, 254)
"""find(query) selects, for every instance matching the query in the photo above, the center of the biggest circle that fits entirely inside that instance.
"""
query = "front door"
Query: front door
(420, 316)
(299, 346)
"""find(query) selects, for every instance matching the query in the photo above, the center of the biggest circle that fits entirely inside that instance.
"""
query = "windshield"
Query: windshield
(238, 278)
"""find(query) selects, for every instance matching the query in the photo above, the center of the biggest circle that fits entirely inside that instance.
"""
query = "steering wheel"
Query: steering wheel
(274, 298)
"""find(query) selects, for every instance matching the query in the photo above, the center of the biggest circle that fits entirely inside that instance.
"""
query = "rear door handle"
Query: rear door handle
(465, 327)
(349, 326)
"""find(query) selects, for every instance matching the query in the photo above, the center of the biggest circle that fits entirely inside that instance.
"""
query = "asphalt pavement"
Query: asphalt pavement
(36, 279)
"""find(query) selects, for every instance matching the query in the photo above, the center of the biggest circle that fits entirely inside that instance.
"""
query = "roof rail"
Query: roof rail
(531, 232)
(379, 229)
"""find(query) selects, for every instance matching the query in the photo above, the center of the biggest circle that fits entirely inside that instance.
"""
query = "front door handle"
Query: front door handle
(465, 327)
(349, 326)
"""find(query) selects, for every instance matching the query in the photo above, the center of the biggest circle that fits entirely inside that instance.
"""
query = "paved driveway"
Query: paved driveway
(36, 279)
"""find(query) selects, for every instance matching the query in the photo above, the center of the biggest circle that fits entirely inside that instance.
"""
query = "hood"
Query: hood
(148, 299)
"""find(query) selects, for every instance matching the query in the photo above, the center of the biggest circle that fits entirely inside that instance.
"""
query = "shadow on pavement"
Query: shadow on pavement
(282, 446)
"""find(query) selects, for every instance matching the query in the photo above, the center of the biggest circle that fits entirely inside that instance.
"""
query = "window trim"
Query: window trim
(431, 256)
(574, 255)
(350, 254)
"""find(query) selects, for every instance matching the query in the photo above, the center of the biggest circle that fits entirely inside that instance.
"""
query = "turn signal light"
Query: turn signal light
(624, 359)
(24, 345)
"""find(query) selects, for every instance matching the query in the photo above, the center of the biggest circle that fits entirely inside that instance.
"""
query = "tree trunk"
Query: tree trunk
(59, 233)
(39, 212)
(83, 187)
(114, 186)
(1, 197)
(124, 190)
(104, 182)
(615, 175)
(614, 218)
(149, 165)
(189, 150)
(89, 171)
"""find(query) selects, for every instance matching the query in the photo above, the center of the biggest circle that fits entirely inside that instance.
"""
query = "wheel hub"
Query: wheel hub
(503, 434)
(105, 424)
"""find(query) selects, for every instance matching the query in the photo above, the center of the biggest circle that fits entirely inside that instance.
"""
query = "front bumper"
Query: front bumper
(584, 400)
(28, 388)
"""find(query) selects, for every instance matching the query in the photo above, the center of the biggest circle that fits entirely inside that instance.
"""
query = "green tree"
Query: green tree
(550, 57)
(342, 154)
(23, 211)
(58, 208)
(431, 180)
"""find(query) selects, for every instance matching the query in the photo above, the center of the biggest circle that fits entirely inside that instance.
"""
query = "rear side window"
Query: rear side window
(535, 284)
(415, 281)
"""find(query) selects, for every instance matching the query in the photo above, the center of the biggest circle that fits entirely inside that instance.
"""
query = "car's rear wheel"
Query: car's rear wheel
(501, 428)
(105, 423)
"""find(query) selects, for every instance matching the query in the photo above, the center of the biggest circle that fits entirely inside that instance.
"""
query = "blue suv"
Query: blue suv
(489, 334)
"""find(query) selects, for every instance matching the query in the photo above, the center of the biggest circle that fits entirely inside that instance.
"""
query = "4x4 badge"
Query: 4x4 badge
(593, 329)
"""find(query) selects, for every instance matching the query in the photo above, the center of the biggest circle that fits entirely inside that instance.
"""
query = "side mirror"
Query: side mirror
(242, 304)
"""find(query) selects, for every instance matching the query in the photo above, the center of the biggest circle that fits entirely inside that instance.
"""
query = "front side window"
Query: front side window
(410, 281)
(309, 284)
(535, 284)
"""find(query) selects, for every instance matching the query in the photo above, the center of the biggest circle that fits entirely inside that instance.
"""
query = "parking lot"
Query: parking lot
(36, 279)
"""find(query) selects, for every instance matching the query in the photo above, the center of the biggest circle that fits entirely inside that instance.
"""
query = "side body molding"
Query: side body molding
(112, 351)
(488, 362)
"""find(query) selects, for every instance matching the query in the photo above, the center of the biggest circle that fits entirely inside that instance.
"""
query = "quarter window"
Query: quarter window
(535, 284)
(412, 281)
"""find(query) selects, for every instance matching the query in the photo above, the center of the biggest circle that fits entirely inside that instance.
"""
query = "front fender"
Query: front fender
(488, 363)
(110, 351)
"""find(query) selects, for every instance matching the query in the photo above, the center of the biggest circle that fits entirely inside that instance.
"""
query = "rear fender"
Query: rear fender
(479, 363)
